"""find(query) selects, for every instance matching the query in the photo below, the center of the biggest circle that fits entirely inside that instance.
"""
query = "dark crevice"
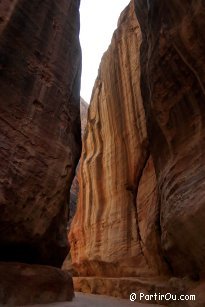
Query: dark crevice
(145, 158)
(159, 230)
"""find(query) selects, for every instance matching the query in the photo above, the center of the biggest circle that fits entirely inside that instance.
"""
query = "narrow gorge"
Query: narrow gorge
(126, 207)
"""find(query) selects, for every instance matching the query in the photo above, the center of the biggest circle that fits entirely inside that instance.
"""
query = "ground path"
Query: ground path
(90, 300)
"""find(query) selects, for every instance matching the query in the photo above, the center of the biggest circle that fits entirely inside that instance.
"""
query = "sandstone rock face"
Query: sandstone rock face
(40, 141)
(23, 284)
(141, 204)
(115, 230)
(67, 264)
(173, 90)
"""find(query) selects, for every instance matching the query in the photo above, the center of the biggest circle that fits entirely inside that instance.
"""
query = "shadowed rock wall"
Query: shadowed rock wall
(173, 90)
(40, 140)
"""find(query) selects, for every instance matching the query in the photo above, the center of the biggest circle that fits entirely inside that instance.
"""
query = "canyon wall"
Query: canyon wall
(140, 211)
(40, 139)
(116, 224)
(173, 90)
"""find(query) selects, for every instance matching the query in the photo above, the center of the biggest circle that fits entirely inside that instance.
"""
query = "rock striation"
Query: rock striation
(67, 264)
(40, 140)
(140, 211)
(116, 206)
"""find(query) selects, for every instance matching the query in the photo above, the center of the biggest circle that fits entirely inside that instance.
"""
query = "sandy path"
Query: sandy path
(90, 300)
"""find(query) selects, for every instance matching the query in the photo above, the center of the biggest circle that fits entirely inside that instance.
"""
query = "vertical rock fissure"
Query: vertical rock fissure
(145, 158)
(159, 230)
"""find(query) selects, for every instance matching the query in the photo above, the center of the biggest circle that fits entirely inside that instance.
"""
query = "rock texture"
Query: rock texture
(23, 284)
(67, 264)
(141, 205)
(40, 141)
(173, 90)
(116, 207)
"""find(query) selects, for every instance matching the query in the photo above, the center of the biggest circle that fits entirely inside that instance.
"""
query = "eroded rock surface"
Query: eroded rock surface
(173, 90)
(141, 203)
(67, 264)
(116, 224)
(40, 141)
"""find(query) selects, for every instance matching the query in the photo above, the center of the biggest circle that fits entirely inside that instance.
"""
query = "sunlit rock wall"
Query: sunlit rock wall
(115, 231)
